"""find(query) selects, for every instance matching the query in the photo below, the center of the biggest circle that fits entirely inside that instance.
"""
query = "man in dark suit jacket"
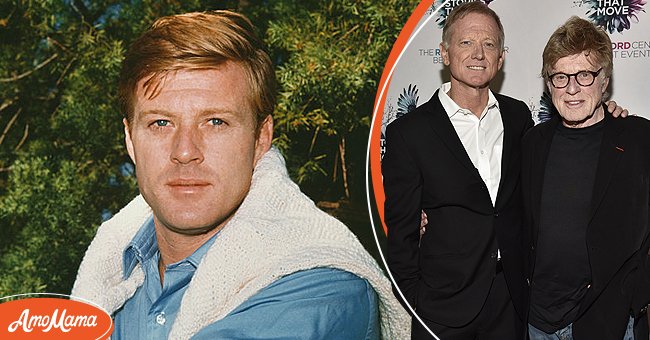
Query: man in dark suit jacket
(457, 158)
(586, 187)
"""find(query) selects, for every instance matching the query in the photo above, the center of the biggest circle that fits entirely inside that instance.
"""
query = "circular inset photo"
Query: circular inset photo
(502, 177)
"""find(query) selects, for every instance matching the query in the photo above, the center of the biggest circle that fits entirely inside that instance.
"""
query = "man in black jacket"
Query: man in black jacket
(457, 158)
(586, 187)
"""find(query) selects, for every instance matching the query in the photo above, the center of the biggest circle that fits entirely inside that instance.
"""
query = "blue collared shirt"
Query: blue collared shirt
(321, 303)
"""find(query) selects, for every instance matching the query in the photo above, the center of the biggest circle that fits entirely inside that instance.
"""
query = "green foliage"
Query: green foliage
(331, 56)
(52, 208)
(62, 158)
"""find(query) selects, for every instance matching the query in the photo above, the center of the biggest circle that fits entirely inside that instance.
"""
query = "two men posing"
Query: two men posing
(583, 193)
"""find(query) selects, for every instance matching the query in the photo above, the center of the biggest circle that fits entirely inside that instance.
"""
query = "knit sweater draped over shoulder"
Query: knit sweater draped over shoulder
(276, 231)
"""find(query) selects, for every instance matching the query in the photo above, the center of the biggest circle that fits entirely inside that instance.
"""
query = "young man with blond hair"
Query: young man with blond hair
(457, 159)
(221, 244)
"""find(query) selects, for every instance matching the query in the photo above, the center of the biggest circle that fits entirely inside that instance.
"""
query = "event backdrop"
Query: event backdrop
(528, 25)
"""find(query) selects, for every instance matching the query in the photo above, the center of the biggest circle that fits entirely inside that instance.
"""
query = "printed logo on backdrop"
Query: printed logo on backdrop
(407, 102)
(433, 53)
(444, 12)
(546, 109)
(619, 16)
(614, 15)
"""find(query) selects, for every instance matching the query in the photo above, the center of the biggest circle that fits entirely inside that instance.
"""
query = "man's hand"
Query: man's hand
(423, 223)
(616, 110)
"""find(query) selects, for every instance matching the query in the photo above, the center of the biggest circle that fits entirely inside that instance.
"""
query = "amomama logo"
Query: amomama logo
(53, 318)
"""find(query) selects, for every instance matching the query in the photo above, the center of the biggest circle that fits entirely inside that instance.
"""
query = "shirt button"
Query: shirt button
(160, 318)
(482, 152)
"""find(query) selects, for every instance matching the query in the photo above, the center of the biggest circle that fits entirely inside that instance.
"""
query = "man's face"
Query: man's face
(578, 105)
(473, 56)
(194, 146)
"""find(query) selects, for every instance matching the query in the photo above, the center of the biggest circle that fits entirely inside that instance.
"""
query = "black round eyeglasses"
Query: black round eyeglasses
(561, 80)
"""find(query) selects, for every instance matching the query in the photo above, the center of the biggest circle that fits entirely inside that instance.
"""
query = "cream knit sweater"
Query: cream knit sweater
(276, 231)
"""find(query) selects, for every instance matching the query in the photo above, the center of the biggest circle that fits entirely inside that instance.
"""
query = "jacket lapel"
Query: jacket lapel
(612, 147)
(510, 139)
(538, 167)
(441, 125)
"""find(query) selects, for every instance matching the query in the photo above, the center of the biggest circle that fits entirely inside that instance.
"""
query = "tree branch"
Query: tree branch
(344, 169)
(25, 74)
(11, 122)
(22, 140)
(57, 43)
(73, 4)
(65, 70)
(6, 104)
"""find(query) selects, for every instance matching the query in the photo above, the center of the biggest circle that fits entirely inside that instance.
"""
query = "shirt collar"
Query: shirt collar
(144, 246)
(452, 108)
(196, 257)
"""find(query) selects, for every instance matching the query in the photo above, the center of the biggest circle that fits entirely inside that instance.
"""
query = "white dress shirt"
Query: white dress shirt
(482, 137)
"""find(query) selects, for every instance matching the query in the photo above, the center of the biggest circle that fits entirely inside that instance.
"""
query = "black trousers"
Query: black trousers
(497, 320)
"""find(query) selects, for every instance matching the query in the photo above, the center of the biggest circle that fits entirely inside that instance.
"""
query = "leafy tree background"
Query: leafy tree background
(63, 166)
